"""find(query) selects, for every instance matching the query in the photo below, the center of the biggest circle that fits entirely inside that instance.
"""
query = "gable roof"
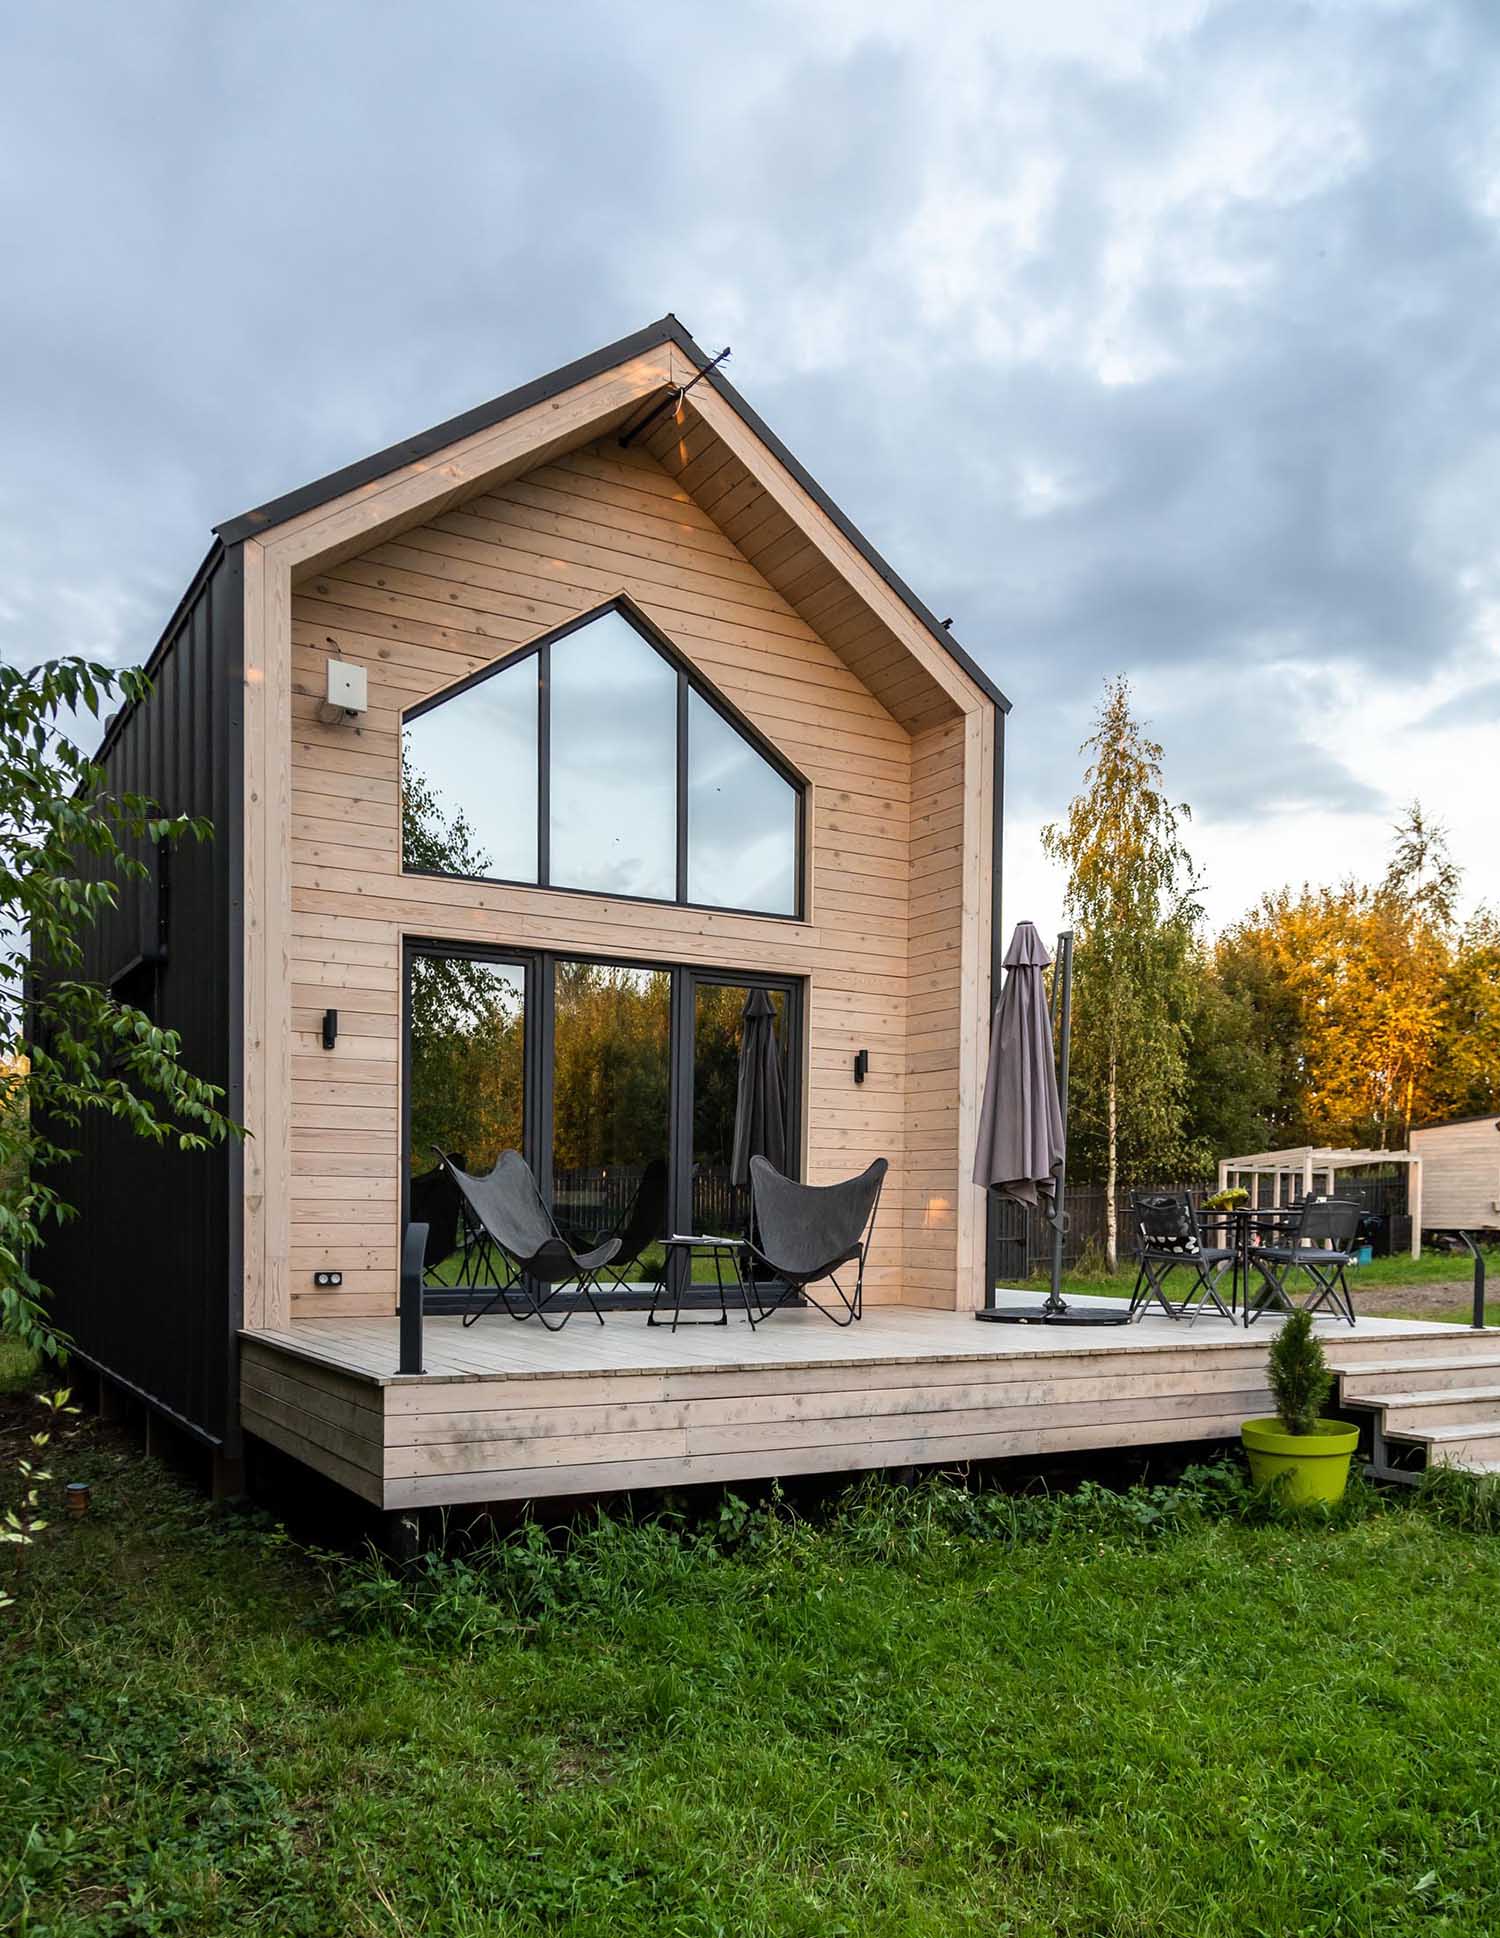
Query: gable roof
(255, 523)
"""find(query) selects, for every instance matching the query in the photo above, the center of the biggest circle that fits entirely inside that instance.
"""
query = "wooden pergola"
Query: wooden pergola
(1311, 1168)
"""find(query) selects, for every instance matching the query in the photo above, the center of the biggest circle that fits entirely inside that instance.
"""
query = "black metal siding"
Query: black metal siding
(146, 1279)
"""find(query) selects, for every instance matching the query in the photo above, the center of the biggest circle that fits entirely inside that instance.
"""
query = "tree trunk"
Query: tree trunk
(1112, 1181)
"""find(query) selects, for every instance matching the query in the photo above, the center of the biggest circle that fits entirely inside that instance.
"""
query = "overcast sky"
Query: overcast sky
(1147, 338)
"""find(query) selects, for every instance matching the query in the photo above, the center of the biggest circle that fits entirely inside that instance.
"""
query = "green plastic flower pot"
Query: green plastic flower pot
(1316, 1463)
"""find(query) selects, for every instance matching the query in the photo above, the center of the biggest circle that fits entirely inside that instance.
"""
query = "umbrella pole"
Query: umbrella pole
(1062, 990)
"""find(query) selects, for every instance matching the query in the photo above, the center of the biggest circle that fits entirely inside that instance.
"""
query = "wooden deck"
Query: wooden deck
(507, 1411)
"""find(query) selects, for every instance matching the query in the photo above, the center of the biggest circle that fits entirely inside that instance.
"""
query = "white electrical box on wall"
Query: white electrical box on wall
(348, 687)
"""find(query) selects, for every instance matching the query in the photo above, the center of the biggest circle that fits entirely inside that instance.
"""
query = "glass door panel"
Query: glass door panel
(466, 1084)
(724, 1090)
(611, 1111)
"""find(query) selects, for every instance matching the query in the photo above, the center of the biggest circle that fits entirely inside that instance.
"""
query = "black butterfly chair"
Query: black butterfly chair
(1166, 1239)
(808, 1233)
(512, 1235)
(642, 1226)
(1321, 1245)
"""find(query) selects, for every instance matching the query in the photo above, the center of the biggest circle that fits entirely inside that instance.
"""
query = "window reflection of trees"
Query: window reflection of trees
(467, 1060)
(653, 791)
(611, 1088)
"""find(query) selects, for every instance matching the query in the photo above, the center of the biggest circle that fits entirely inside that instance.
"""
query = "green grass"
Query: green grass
(17, 1365)
(928, 1713)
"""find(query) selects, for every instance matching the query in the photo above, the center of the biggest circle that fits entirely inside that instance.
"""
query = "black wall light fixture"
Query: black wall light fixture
(861, 1065)
(330, 1028)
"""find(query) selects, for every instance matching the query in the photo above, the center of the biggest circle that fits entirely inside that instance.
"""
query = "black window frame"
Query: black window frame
(688, 678)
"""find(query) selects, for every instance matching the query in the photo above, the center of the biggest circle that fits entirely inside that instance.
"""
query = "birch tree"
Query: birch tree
(1131, 894)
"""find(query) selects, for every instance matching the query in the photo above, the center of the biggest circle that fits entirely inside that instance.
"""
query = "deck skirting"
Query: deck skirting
(512, 1413)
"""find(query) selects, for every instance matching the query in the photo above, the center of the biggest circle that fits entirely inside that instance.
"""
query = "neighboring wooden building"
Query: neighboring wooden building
(1461, 1166)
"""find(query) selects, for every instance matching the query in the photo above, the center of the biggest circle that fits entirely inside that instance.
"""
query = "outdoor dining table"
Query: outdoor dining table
(1243, 1224)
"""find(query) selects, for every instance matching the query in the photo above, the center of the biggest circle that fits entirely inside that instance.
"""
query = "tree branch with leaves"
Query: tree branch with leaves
(69, 1046)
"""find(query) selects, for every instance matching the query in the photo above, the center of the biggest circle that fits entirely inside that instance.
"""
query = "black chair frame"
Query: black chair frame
(509, 1234)
(1319, 1246)
(779, 1206)
(1167, 1237)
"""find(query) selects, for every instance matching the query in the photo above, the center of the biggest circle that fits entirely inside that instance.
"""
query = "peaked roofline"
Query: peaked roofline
(667, 329)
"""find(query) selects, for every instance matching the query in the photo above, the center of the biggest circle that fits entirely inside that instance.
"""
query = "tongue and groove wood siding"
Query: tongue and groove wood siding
(885, 949)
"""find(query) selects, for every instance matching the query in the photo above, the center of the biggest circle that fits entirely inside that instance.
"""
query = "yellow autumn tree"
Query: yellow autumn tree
(1465, 1079)
(1353, 984)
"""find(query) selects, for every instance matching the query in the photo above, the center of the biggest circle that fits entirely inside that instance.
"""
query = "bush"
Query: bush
(526, 1583)
(1300, 1379)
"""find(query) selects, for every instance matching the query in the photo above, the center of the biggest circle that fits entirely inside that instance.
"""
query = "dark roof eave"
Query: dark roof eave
(483, 417)
(667, 329)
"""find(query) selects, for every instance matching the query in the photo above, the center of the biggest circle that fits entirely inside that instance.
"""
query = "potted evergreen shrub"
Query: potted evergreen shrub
(1313, 1453)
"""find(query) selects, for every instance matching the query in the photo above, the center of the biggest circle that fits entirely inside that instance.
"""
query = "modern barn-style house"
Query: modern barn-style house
(545, 751)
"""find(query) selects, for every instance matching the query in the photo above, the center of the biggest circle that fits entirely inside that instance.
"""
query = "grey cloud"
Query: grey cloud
(247, 245)
(1477, 706)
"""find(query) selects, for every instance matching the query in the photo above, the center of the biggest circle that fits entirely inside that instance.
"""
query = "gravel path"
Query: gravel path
(1415, 1300)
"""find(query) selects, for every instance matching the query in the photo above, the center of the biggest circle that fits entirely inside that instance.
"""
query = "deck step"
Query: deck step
(1355, 1348)
(1375, 1377)
(1473, 1446)
(1445, 1400)
(1448, 1406)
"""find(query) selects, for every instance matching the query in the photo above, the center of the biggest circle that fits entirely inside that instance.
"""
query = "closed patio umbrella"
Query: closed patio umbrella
(759, 1103)
(1023, 1131)
(1021, 1142)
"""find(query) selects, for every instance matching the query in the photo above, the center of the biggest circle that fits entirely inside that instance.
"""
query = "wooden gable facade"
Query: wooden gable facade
(449, 564)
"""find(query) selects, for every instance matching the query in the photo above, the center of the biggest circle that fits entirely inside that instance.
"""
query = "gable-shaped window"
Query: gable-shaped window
(596, 760)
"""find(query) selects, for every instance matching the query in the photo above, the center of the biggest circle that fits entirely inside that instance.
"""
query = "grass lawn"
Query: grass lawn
(927, 1712)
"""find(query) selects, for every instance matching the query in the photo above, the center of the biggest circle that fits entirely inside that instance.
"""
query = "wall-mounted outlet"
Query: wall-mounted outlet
(325, 1281)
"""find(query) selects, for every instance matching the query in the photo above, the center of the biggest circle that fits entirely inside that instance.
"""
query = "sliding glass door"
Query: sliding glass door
(611, 1068)
(466, 1089)
(637, 1092)
(735, 1089)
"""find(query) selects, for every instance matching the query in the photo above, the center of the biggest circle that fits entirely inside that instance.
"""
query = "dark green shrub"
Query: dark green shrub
(1300, 1379)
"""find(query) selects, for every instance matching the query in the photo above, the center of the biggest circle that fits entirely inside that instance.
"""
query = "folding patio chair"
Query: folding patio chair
(1166, 1240)
(510, 1233)
(1321, 1245)
(808, 1233)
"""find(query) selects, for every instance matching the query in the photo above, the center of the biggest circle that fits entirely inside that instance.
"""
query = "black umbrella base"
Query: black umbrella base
(1039, 1315)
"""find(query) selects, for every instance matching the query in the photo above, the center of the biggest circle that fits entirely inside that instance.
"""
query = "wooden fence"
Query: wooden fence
(1025, 1237)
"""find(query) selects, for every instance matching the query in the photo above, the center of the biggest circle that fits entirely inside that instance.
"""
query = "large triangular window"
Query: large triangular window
(597, 760)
